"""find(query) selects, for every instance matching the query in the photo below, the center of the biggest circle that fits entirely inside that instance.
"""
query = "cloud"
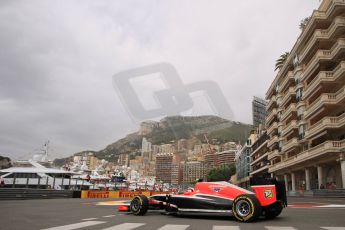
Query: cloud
(57, 60)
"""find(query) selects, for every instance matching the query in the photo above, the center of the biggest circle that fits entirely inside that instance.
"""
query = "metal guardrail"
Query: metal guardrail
(24, 193)
(334, 193)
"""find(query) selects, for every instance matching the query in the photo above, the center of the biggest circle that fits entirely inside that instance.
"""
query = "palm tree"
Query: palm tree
(280, 62)
(304, 23)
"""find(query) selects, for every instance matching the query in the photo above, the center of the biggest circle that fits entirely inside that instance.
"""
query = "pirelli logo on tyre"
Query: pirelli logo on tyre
(268, 193)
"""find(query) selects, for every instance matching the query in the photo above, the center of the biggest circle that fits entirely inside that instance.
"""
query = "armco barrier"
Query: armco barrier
(24, 193)
(116, 194)
(99, 194)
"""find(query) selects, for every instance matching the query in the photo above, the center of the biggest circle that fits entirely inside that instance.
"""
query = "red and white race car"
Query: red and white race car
(216, 197)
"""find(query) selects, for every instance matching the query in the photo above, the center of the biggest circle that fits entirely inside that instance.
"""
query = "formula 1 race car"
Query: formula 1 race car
(216, 197)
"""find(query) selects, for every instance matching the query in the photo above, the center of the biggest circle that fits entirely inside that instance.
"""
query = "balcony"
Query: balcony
(324, 77)
(272, 128)
(263, 156)
(271, 116)
(273, 140)
(289, 127)
(316, 18)
(291, 108)
(325, 99)
(258, 149)
(291, 92)
(310, 154)
(271, 102)
(326, 123)
(324, 55)
(288, 78)
(273, 154)
(330, 33)
(259, 170)
(293, 143)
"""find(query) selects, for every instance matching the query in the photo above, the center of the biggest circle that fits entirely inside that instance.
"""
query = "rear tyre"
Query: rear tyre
(139, 205)
(246, 208)
(273, 210)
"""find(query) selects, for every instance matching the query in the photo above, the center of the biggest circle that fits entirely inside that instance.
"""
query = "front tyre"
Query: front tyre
(246, 208)
(139, 205)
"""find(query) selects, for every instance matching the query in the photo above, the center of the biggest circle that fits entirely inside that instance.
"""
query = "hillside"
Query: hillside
(171, 129)
(5, 162)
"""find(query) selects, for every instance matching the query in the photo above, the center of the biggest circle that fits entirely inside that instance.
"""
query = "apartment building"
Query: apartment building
(168, 168)
(306, 108)
(220, 158)
(164, 163)
(259, 155)
(194, 170)
(259, 111)
(243, 160)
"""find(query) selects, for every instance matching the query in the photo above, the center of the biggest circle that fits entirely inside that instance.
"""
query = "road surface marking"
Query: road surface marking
(108, 216)
(279, 228)
(215, 227)
(125, 226)
(173, 227)
(334, 228)
(90, 219)
(332, 206)
(114, 203)
(76, 226)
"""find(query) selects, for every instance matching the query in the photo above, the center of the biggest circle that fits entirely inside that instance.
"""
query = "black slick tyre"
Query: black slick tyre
(139, 205)
(246, 208)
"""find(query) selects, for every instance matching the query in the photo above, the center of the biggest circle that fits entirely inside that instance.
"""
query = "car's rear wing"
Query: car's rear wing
(262, 188)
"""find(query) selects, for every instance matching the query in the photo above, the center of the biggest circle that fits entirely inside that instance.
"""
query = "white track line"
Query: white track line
(76, 226)
(279, 228)
(215, 227)
(173, 227)
(108, 216)
(125, 226)
(90, 219)
(334, 228)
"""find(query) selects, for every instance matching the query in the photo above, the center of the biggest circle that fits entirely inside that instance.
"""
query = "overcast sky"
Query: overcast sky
(57, 59)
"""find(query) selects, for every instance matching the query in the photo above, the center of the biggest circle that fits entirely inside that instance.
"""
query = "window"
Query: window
(299, 95)
(279, 115)
(280, 145)
(300, 112)
(280, 129)
(296, 61)
(301, 131)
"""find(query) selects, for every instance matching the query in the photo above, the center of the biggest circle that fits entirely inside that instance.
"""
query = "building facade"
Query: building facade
(243, 161)
(164, 167)
(220, 158)
(168, 168)
(259, 111)
(194, 170)
(306, 109)
(259, 155)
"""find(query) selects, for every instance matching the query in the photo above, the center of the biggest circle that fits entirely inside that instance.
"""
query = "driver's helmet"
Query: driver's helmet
(190, 189)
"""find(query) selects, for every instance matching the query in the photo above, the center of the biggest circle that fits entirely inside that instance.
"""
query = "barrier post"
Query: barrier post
(54, 182)
(14, 180)
(63, 177)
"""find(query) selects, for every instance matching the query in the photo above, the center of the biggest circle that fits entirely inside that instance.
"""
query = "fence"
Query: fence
(116, 194)
(24, 193)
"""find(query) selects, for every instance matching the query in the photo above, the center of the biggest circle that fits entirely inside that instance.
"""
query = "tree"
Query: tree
(222, 173)
(303, 23)
(281, 60)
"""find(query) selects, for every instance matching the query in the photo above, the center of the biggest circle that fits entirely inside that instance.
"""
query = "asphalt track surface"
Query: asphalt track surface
(87, 214)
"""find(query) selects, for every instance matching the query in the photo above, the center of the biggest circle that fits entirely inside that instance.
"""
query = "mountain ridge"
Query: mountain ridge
(170, 130)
